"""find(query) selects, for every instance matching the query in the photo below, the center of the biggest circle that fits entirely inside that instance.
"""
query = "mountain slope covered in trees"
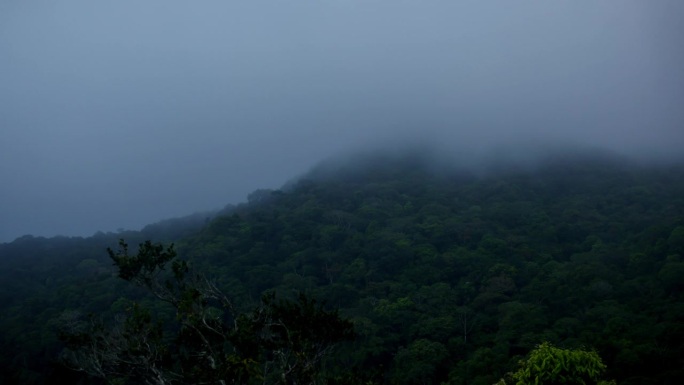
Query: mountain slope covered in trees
(448, 276)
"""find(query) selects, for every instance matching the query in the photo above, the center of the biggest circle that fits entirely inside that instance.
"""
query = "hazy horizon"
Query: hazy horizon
(118, 115)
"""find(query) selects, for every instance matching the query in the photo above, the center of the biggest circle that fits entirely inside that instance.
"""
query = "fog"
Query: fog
(118, 114)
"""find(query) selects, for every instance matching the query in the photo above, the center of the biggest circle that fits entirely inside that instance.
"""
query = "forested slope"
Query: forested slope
(41, 277)
(447, 276)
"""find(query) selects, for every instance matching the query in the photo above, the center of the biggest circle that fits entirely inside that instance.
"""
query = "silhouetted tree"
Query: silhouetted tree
(279, 342)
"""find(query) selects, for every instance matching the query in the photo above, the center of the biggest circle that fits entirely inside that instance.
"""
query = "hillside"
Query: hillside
(448, 276)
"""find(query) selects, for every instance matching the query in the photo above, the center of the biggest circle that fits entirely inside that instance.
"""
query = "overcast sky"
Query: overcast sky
(116, 114)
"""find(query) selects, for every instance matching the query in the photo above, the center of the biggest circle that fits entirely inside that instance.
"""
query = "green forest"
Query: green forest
(400, 271)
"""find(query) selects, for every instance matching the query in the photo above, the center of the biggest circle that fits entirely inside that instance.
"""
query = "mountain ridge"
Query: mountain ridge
(578, 253)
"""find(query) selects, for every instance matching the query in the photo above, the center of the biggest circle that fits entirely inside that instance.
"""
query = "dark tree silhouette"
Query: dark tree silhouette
(279, 342)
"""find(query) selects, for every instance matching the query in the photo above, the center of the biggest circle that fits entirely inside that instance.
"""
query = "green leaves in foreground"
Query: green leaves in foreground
(548, 364)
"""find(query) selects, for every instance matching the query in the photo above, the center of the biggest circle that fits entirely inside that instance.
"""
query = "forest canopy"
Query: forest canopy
(447, 277)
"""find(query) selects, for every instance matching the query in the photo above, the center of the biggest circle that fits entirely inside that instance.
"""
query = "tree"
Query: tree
(418, 363)
(548, 364)
(279, 342)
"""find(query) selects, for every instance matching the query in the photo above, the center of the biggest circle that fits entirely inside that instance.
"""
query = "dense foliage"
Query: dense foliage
(208, 342)
(548, 364)
(447, 276)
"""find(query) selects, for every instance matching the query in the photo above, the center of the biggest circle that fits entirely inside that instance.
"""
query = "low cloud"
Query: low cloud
(120, 114)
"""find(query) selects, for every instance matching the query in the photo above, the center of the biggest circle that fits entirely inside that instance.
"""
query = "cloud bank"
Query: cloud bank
(117, 114)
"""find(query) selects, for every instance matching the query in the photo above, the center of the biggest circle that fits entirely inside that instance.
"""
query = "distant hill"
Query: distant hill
(450, 275)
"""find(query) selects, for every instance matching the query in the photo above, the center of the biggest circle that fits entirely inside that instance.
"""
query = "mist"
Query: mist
(118, 114)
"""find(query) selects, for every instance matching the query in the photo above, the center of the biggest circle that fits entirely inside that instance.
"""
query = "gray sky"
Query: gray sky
(120, 113)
